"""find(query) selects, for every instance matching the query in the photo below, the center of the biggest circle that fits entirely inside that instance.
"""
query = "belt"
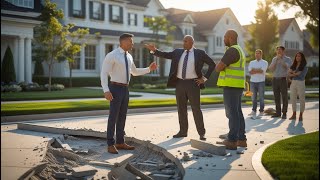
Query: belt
(186, 79)
(119, 84)
(279, 78)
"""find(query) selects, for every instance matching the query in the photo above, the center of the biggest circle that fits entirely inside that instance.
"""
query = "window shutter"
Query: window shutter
(136, 19)
(70, 8)
(110, 13)
(91, 10)
(121, 15)
(129, 19)
(102, 12)
(83, 8)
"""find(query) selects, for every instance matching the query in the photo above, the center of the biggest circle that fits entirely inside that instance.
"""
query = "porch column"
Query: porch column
(28, 73)
(21, 60)
(100, 55)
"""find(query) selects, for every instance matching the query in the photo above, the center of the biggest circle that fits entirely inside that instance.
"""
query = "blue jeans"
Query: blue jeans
(257, 87)
(232, 103)
(117, 114)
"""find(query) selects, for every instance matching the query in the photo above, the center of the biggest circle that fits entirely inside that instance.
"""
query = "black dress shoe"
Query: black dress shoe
(276, 115)
(179, 135)
(284, 116)
(202, 138)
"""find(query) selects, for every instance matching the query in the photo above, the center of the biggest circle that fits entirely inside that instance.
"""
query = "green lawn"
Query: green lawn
(294, 158)
(68, 93)
(55, 107)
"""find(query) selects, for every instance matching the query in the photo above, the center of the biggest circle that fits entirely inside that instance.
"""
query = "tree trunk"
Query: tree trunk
(70, 74)
(50, 67)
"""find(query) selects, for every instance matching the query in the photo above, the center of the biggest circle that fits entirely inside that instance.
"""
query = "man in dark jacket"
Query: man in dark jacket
(186, 76)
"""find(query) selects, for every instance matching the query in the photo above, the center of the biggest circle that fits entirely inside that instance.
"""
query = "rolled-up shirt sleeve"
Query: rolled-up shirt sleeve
(106, 71)
(139, 71)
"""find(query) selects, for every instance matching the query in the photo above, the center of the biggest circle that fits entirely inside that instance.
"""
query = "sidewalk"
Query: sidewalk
(158, 127)
(141, 94)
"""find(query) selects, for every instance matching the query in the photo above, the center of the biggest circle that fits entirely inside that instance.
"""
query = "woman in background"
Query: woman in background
(297, 72)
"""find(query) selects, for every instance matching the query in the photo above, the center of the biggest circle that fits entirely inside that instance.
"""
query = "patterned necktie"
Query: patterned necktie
(127, 71)
(184, 67)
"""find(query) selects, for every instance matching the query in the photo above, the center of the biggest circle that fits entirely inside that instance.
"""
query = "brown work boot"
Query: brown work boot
(112, 149)
(232, 145)
(242, 143)
(124, 146)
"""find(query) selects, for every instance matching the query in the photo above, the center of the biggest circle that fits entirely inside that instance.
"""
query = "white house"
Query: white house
(112, 18)
(18, 18)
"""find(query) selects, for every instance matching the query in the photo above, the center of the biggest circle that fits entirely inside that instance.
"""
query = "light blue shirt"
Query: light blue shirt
(302, 75)
(279, 70)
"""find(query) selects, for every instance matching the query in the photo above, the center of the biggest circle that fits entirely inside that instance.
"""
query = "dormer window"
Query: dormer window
(227, 21)
(292, 29)
(188, 31)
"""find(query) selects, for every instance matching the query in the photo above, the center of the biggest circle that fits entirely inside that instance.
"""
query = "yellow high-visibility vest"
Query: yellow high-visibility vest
(234, 74)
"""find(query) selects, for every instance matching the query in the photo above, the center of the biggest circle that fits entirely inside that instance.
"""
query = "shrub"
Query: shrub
(8, 73)
(38, 69)
(11, 88)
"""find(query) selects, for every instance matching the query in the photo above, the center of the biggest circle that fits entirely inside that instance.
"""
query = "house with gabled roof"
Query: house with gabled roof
(18, 18)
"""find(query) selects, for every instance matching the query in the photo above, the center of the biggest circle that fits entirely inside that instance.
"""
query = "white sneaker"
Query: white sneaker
(252, 113)
(254, 116)
(260, 114)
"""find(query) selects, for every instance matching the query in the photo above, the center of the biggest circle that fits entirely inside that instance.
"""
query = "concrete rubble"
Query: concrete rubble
(216, 149)
(70, 157)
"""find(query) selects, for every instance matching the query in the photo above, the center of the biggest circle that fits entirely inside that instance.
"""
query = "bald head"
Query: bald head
(230, 38)
(188, 42)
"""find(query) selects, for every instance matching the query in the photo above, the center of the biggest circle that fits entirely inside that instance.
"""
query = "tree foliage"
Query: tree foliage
(52, 43)
(265, 32)
(8, 73)
(310, 8)
(157, 25)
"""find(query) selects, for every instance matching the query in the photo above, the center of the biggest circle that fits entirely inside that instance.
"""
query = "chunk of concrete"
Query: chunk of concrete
(160, 176)
(137, 172)
(83, 171)
(210, 148)
(102, 164)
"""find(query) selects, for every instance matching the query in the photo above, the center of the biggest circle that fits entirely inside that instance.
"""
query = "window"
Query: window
(96, 10)
(90, 57)
(22, 3)
(286, 44)
(292, 29)
(219, 41)
(116, 14)
(108, 48)
(188, 31)
(77, 8)
(227, 21)
(144, 20)
(76, 63)
(297, 45)
(132, 19)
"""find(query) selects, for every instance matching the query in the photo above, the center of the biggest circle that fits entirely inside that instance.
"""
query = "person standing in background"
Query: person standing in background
(280, 66)
(298, 72)
(257, 69)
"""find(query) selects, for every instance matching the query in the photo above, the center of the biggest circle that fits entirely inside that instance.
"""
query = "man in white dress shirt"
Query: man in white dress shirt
(257, 69)
(119, 65)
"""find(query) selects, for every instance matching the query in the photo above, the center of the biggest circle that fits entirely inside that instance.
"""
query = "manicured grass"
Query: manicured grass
(294, 158)
(68, 93)
(55, 107)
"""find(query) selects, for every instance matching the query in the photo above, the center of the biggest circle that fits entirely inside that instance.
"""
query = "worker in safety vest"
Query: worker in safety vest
(232, 80)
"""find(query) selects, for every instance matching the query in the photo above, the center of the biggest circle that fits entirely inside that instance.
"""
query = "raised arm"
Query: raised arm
(210, 63)
(156, 52)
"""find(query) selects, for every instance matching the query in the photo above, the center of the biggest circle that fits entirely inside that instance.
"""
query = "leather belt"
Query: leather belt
(119, 84)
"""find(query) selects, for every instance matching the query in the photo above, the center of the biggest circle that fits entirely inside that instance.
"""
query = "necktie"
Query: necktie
(127, 71)
(184, 67)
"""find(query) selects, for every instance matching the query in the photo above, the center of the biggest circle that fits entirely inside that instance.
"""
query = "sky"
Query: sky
(244, 10)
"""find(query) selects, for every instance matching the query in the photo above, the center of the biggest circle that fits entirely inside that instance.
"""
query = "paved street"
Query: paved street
(158, 127)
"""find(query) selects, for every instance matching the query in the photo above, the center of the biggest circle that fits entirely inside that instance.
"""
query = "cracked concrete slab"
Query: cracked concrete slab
(216, 149)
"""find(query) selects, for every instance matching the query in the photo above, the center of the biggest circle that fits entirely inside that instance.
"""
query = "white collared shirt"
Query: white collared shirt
(261, 64)
(114, 65)
(191, 70)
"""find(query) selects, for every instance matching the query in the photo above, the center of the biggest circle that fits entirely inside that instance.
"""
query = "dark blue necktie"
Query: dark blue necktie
(127, 71)
(184, 67)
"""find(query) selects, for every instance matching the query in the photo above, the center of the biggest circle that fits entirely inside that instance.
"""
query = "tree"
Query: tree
(74, 47)
(50, 36)
(157, 25)
(8, 73)
(265, 32)
(310, 8)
